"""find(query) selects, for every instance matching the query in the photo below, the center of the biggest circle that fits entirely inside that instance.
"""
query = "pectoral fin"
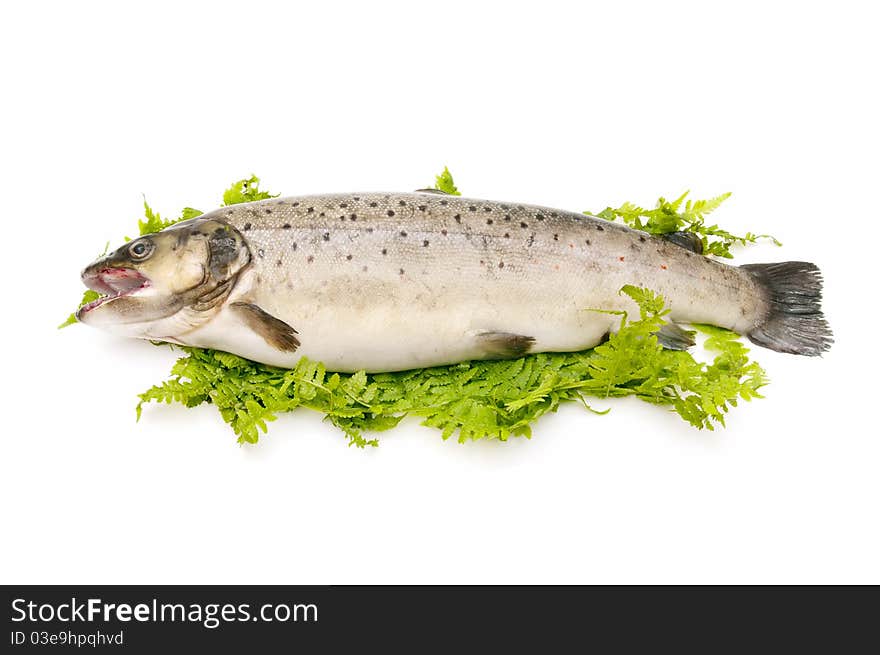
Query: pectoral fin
(503, 345)
(674, 337)
(276, 332)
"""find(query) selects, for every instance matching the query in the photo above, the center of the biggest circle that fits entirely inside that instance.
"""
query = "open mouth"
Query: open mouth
(112, 283)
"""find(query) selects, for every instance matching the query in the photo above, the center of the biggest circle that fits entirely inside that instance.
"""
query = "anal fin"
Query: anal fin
(674, 337)
(503, 345)
(274, 331)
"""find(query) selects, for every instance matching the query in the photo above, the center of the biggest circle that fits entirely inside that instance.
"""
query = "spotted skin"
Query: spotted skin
(390, 281)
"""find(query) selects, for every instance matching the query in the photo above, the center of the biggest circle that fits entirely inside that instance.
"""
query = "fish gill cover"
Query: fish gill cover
(481, 399)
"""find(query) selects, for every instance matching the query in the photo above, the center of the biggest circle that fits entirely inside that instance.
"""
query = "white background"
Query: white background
(565, 104)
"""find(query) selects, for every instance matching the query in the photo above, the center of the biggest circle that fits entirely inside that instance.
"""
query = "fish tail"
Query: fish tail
(793, 321)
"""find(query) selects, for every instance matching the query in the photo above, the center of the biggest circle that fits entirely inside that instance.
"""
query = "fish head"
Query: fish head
(161, 285)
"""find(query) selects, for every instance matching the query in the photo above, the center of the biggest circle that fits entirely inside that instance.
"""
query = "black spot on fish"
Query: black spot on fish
(588, 242)
(633, 246)
(507, 235)
(507, 217)
(540, 217)
(556, 237)
(444, 232)
(344, 205)
(472, 208)
(487, 209)
(353, 217)
(402, 233)
(356, 198)
(369, 230)
(458, 218)
(600, 228)
(444, 202)
(531, 241)
(422, 207)
(374, 204)
(390, 212)
(642, 239)
(384, 251)
(247, 226)
(342, 218)
(554, 214)
(295, 204)
(310, 210)
(310, 259)
(268, 211)
(401, 271)
(294, 245)
(322, 214)
(286, 226)
(278, 263)
(326, 236)
(261, 252)
(348, 257)
(425, 243)
(402, 203)
(687, 254)
(500, 264)
(489, 221)
(523, 224)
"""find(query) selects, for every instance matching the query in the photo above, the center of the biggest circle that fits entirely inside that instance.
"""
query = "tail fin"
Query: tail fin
(794, 322)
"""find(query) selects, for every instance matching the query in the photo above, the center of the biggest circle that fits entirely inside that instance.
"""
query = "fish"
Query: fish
(386, 282)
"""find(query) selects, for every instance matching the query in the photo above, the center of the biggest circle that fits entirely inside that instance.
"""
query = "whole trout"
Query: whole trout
(393, 281)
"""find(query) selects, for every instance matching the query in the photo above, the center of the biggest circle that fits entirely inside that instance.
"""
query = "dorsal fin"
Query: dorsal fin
(442, 193)
(687, 240)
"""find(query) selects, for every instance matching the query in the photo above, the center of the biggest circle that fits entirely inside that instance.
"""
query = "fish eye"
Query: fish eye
(140, 249)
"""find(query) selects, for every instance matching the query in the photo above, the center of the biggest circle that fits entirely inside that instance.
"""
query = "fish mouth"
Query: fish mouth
(112, 283)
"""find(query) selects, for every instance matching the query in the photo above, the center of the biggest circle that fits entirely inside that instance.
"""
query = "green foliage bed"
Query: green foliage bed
(486, 399)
